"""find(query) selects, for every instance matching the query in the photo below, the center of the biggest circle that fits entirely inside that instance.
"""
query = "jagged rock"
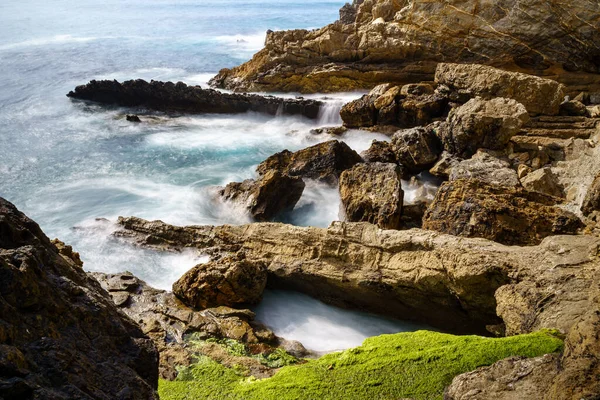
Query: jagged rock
(514, 216)
(543, 181)
(440, 279)
(591, 202)
(379, 151)
(488, 124)
(443, 167)
(417, 149)
(539, 96)
(373, 193)
(394, 108)
(266, 197)
(400, 42)
(323, 162)
(485, 168)
(231, 282)
(67, 251)
(179, 97)
(62, 337)
(168, 322)
(573, 108)
(523, 170)
(417, 89)
(133, 118)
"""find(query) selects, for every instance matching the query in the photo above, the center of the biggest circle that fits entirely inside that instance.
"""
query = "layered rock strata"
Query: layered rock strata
(61, 335)
(181, 98)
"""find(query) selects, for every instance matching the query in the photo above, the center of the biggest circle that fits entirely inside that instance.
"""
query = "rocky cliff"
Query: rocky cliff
(61, 336)
(401, 41)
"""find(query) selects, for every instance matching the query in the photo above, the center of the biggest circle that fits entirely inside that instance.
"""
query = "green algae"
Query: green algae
(415, 365)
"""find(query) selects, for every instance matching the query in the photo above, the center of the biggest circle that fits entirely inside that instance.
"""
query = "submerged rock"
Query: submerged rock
(62, 337)
(514, 216)
(488, 124)
(179, 97)
(373, 193)
(230, 281)
(266, 197)
(323, 162)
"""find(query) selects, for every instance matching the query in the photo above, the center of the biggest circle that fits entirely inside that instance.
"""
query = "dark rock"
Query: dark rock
(417, 149)
(179, 97)
(373, 193)
(359, 113)
(62, 337)
(510, 216)
(379, 151)
(323, 162)
(573, 108)
(443, 167)
(230, 281)
(133, 118)
(268, 196)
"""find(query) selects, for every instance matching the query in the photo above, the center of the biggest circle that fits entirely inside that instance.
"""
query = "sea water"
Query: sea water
(74, 167)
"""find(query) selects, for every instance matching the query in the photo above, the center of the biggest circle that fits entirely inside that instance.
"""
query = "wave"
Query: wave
(57, 39)
(243, 43)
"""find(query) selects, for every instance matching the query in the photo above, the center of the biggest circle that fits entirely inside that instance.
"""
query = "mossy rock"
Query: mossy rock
(416, 365)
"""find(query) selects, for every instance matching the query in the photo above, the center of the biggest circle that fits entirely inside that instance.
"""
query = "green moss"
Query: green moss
(417, 365)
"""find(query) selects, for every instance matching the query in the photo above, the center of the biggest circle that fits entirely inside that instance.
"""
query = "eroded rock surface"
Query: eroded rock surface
(373, 193)
(417, 149)
(179, 97)
(487, 168)
(402, 42)
(61, 335)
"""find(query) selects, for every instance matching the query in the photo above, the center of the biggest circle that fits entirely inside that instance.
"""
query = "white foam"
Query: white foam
(57, 39)
(243, 43)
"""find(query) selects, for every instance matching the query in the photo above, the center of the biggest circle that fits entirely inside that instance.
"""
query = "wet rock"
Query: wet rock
(266, 197)
(168, 322)
(485, 168)
(543, 181)
(373, 193)
(133, 118)
(380, 151)
(488, 124)
(538, 95)
(573, 108)
(179, 97)
(511, 216)
(360, 113)
(591, 201)
(231, 281)
(417, 149)
(61, 335)
(323, 162)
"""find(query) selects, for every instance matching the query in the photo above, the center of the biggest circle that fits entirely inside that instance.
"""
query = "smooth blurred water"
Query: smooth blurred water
(67, 163)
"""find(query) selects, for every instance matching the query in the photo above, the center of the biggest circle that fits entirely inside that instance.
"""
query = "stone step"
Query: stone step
(559, 133)
(560, 119)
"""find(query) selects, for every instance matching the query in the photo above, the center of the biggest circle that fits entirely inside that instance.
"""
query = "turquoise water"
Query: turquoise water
(67, 163)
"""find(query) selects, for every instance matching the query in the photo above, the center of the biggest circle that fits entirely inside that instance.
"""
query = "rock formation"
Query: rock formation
(230, 281)
(486, 168)
(179, 97)
(417, 149)
(169, 323)
(591, 202)
(373, 193)
(62, 337)
(322, 162)
(471, 208)
(444, 280)
(266, 197)
(381, 41)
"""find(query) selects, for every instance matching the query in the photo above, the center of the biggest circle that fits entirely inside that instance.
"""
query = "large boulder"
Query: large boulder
(538, 95)
(402, 42)
(488, 124)
(486, 168)
(373, 193)
(323, 162)
(514, 216)
(179, 97)
(380, 151)
(62, 337)
(231, 281)
(360, 112)
(169, 322)
(266, 197)
(417, 149)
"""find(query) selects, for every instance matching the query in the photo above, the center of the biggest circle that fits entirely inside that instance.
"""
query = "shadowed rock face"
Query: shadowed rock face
(179, 97)
(62, 337)
(400, 42)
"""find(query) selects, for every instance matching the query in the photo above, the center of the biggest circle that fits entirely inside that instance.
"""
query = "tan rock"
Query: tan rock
(416, 149)
(485, 168)
(544, 181)
(373, 193)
